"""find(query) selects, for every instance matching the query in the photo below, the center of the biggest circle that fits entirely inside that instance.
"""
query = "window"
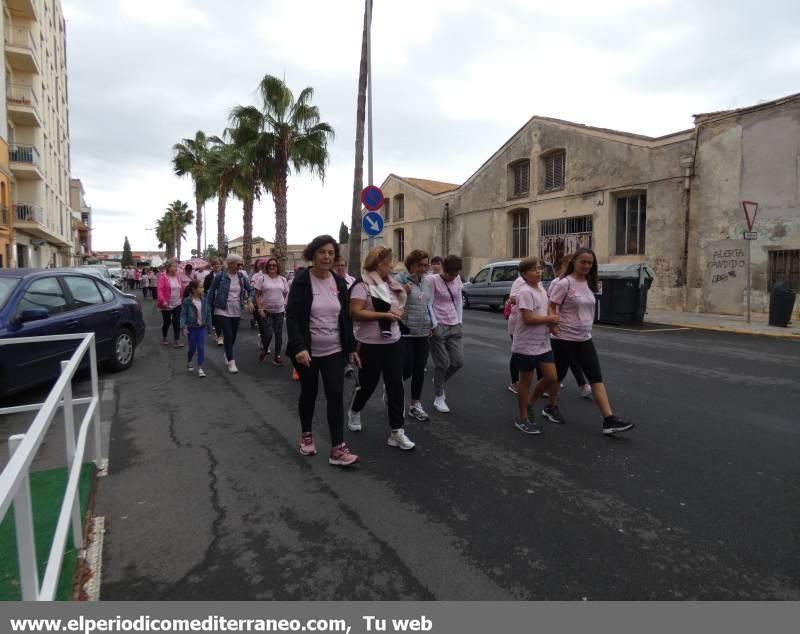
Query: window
(387, 210)
(565, 226)
(258, 251)
(784, 266)
(505, 273)
(519, 233)
(522, 177)
(482, 277)
(554, 170)
(399, 245)
(44, 293)
(631, 224)
(399, 207)
(105, 292)
(84, 291)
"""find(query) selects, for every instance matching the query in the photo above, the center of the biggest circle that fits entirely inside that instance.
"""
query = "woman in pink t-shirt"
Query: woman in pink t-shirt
(376, 306)
(271, 291)
(530, 345)
(170, 297)
(573, 297)
(320, 337)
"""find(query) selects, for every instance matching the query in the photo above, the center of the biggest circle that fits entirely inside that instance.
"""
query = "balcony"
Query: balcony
(21, 50)
(28, 212)
(23, 105)
(24, 8)
(25, 162)
(30, 219)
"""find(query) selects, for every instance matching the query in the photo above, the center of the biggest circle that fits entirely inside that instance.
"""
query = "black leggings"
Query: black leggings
(228, 326)
(271, 324)
(331, 368)
(580, 378)
(583, 353)
(415, 358)
(381, 359)
(171, 316)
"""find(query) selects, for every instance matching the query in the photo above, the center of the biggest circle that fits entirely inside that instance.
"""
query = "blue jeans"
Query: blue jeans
(197, 342)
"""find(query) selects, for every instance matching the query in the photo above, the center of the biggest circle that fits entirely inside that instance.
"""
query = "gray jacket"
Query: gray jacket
(418, 314)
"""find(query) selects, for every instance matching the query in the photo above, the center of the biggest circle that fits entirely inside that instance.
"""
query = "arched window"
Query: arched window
(520, 177)
(399, 207)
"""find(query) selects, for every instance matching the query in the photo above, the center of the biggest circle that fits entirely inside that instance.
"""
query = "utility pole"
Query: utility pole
(370, 181)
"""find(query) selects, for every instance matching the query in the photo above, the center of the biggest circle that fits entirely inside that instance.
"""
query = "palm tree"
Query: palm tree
(354, 247)
(224, 160)
(180, 216)
(297, 139)
(190, 159)
(165, 235)
(255, 168)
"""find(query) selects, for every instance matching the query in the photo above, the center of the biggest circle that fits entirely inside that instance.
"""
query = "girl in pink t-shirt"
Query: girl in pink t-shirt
(530, 347)
(573, 297)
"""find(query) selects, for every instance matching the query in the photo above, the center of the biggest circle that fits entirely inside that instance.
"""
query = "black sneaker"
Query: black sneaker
(553, 414)
(615, 425)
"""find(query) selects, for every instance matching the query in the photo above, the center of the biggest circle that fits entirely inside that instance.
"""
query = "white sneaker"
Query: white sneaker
(201, 373)
(586, 391)
(399, 439)
(353, 420)
(440, 405)
(219, 341)
(190, 368)
(232, 367)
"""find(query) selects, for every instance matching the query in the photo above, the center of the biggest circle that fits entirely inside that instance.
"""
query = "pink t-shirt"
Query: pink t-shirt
(174, 291)
(531, 339)
(324, 323)
(443, 302)
(370, 331)
(273, 292)
(234, 306)
(576, 302)
(513, 316)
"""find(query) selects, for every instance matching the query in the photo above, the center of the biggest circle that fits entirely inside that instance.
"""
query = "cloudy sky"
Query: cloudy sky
(452, 80)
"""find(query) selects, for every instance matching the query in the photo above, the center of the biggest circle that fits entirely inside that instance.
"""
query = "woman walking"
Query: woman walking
(145, 283)
(320, 339)
(530, 344)
(271, 292)
(573, 297)
(170, 297)
(447, 346)
(195, 322)
(376, 306)
(229, 295)
(420, 322)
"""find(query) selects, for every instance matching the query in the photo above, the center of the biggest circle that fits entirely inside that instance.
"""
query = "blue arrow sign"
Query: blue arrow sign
(372, 223)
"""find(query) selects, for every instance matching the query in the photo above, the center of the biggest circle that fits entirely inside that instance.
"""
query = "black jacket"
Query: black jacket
(298, 315)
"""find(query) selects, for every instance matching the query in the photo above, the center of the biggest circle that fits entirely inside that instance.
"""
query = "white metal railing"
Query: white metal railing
(21, 95)
(28, 212)
(14, 480)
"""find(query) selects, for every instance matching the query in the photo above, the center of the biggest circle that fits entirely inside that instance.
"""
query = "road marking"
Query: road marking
(640, 330)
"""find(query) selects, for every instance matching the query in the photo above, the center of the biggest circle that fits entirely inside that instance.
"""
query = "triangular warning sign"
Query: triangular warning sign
(750, 212)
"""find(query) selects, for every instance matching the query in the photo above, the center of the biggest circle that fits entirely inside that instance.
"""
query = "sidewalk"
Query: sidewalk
(724, 323)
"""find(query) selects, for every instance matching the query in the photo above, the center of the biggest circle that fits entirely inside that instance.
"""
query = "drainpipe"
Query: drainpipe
(688, 164)
(446, 230)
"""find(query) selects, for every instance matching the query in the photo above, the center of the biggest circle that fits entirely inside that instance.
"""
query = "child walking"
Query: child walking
(195, 322)
(530, 347)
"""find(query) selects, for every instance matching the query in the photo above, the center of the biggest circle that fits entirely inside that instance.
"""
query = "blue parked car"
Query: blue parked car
(37, 302)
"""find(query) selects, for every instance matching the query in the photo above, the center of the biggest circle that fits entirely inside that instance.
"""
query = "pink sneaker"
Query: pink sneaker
(341, 456)
(164, 342)
(307, 447)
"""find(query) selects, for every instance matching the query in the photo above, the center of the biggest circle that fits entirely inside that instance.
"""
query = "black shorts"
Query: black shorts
(529, 362)
(581, 351)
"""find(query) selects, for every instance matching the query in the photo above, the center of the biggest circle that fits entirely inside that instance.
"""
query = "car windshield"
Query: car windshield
(7, 284)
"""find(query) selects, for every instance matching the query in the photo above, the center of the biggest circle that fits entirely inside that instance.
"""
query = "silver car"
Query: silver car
(492, 284)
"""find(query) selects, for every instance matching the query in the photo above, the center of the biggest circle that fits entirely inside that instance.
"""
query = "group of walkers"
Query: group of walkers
(382, 328)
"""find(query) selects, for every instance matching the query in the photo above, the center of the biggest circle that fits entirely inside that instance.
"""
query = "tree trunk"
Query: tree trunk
(354, 250)
(222, 200)
(198, 225)
(247, 238)
(279, 197)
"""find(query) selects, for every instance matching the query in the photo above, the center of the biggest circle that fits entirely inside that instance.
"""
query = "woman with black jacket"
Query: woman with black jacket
(320, 341)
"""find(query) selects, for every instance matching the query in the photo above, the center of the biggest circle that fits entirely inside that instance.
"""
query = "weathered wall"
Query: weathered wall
(752, 156)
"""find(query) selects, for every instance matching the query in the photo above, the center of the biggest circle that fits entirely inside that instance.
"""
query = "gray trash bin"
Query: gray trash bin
(624, 293)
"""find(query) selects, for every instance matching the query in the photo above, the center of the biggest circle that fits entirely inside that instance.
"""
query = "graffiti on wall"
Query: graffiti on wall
(553, 248)
(726, 277)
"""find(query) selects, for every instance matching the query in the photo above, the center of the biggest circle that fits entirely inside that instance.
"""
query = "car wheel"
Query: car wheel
(464, 300)
(123, 350)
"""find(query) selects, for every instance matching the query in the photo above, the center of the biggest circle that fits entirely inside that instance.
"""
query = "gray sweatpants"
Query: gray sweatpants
(447, 352)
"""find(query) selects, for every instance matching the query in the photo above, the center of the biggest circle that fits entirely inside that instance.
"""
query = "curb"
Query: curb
(795, 336)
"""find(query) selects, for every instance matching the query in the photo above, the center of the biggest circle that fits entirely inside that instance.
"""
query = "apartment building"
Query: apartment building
(34, 125)
(81, 221)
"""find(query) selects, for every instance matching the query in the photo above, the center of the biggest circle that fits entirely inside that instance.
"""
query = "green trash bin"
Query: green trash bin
(623, 293)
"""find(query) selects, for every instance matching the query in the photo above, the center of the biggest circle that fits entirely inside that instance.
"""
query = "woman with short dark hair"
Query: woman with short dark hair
(229, 295)
(320, 340)
(271, 292)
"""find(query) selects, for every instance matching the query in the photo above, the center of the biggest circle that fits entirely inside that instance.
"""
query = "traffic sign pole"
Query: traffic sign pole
(371, 241)
(749, 236)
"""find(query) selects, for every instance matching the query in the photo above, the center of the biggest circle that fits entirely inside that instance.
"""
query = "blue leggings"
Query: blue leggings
(197, 341)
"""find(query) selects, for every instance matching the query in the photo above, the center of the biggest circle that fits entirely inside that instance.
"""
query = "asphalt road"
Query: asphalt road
(208, 498)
